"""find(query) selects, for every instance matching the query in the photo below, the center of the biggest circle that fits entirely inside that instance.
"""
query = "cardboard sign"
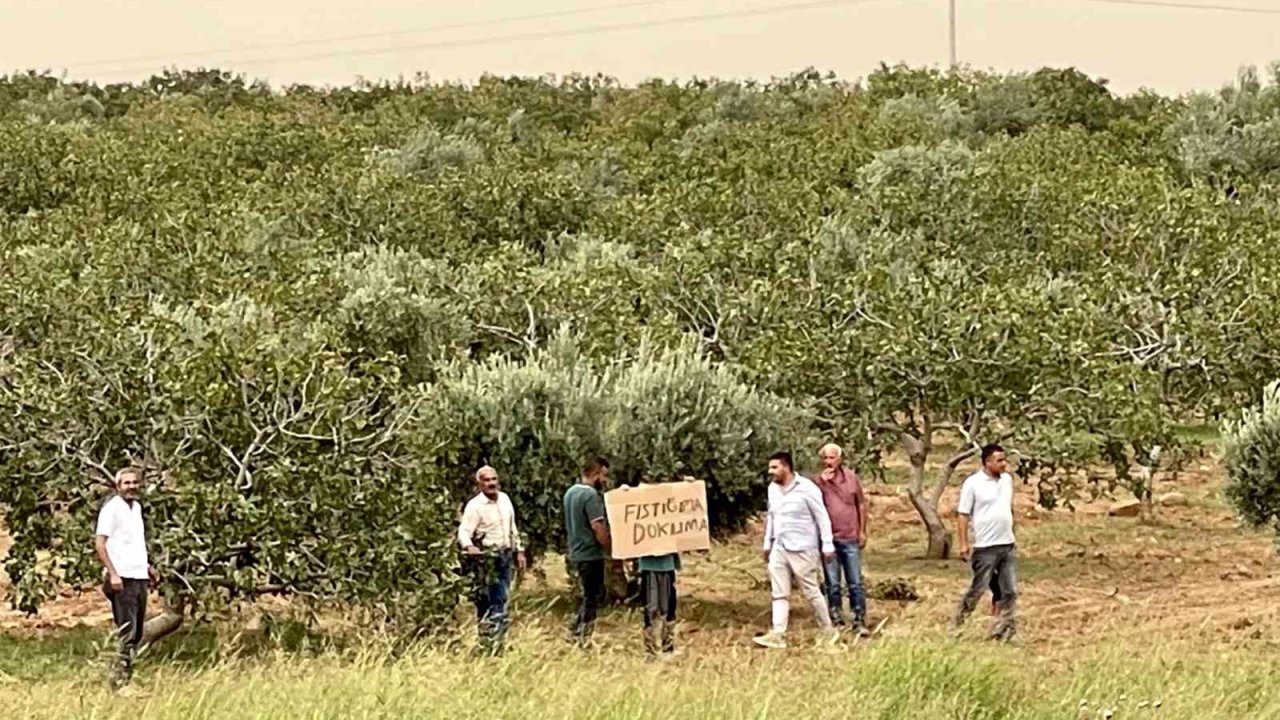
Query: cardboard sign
(658, 519)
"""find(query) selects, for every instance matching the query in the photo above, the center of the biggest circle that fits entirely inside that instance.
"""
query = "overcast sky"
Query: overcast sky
(336, 41)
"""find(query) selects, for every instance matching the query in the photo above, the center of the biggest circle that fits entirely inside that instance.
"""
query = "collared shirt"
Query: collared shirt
(842, 496)
(493, 520)
(797, 519)
(988, 502)
(120, 522)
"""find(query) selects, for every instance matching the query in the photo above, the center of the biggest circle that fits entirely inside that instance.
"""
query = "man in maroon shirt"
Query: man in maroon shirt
(847, 506)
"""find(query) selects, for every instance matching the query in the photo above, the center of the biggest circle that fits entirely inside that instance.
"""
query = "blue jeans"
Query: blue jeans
(848, 560)
(492, 586)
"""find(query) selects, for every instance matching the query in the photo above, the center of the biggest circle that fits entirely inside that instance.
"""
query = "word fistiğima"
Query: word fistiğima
(661, 522)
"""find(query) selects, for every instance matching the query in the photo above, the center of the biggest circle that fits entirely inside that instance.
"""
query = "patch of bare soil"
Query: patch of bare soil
(1193, 574)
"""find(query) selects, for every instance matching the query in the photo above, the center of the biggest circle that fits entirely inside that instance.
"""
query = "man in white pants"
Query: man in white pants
(797, 541)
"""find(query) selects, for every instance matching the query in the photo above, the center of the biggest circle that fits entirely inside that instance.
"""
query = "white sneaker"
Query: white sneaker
(772, 640)
(827, 638)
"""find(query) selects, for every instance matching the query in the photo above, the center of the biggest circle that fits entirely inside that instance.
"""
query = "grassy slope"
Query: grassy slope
(896, 678)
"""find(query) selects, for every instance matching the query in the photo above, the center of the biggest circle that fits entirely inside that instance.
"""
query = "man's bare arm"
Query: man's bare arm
(601, 531)
(962, 522)
(113, 577)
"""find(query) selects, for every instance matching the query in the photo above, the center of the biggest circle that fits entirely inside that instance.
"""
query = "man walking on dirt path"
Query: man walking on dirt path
(797, 540)
(492, 545)
(986, 505)
(121, 544)
(847, 506)
(588, 534)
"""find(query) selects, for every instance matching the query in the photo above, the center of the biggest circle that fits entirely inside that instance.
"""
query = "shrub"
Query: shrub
(1252, 461)
(659, 415)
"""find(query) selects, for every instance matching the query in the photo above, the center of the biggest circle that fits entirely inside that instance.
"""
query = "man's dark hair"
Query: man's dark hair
(596, 465)
(784, 457)
(989, 450)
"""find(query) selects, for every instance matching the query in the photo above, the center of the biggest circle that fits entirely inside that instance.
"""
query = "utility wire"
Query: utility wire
(1175, 5)
(382, 34)
(534, 35)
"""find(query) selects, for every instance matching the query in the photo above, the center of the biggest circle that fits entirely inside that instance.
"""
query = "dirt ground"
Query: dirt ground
(1193, 575)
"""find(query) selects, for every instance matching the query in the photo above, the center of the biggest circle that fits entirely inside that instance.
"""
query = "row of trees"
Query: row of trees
(314, 312)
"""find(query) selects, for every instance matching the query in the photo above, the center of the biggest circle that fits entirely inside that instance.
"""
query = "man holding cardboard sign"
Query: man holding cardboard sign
(656, 523)
(589, 541)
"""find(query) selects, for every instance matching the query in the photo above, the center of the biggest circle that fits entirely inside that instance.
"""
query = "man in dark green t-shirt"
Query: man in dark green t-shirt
(587, 531)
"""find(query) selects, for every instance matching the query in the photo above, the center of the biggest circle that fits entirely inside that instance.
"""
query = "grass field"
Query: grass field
(897, 678)
(1176, 619)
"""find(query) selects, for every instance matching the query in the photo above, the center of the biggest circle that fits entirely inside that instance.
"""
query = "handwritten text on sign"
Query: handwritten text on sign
(658, 519)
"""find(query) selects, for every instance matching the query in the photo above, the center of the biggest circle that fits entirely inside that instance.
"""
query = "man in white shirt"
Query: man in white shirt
(491, 543)
(121, 544)
(986, 506)
(797, 540)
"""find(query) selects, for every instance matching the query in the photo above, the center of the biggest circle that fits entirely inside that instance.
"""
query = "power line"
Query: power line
(382, 34)
(1174, 5)
(537, 35)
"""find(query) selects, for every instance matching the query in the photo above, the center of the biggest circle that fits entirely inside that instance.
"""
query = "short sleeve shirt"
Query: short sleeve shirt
(989, 504)
(120, 522)
(582, 506)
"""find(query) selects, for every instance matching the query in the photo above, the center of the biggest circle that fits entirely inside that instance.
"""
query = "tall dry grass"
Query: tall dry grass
(543, 678)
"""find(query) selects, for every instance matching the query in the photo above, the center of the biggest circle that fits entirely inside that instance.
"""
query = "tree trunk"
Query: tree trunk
(166, 623)
(615, 582)
(1146, 491)
(939, 547)
(939, 537)
(927, 504)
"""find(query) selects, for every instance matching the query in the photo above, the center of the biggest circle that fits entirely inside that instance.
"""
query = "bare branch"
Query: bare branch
(50, 367)
(531, 333)
(502, 332)
(244, 476)
(243, 471)
(862, 313)
(265, 589)
(313, 558)
(306, 436)
(107, 477)
(949, 470)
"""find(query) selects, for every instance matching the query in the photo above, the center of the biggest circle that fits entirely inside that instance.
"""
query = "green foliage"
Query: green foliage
(428, 153)
(655, 414)
(1251, 444)
(305, 307)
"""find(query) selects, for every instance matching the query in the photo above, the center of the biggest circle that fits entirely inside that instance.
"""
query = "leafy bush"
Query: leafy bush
(1252, 461)
(657, 415)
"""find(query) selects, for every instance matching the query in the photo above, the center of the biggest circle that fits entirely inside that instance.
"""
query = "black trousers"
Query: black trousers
(129, 611)
(996, 565)
(659, 592)
(591, 595)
